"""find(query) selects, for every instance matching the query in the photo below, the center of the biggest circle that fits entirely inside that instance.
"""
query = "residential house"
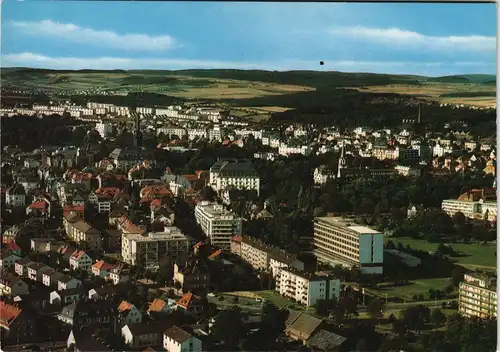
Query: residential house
(79, 260)
(41, 245)
(158, 307)
(78, 230)
(39, 209)
(67, 283)
(16, 325)
(36, 270)
(11, 285)
(119, 274)
(51, 277)
(191, 304)
(128, 313)
(90, 313)
(15, 196)
(66, 297)
(102, 268)
(177, 339)
(103, 197)
(21, 266)
(194, 274)
(140, 335)
(83, 340)
(12, 247)
(8, 259)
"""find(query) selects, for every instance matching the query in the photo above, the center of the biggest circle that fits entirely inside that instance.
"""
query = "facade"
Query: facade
(11, 285)
(474, 204)
(176, 339)
(8, 259)
(322, 174)
(147, 250)
(340, 241)
(139, 336)
(16, 325)
(234, 172)
(80, 260)
(78, 230)
(104, 129)
(15, 196)
(478, 296)
(128, 313)
(218, 224)
(306, 288)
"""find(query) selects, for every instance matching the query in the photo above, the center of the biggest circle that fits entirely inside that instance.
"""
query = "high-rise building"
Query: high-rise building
(340, 241)
(218, 224)
(478, 296)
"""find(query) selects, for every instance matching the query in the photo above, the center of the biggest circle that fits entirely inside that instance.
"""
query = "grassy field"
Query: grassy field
(276, 299)
(473, 255)
(435, 90)
(416, 287)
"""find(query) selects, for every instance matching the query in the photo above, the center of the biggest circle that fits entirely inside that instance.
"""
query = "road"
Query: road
(400, 306)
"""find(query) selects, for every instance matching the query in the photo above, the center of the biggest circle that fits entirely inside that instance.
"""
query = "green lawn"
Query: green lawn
(276, 299)
(416, 287)
(475, 255)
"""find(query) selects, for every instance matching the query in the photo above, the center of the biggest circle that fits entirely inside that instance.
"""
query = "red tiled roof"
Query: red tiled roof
(155, 203)
(38, 205)
(215, 254)
(157, 305)
(186, 300)
(12, 246)
(102, 265)
(75, 208)
(198, 245)
(236, 239)
(77, 255)
(124, 306)
(8, 313)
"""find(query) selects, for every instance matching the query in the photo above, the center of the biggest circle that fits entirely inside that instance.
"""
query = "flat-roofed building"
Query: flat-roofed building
(147, 249)
(218, 224)
(340, 241)
(473, 204)
(306, 288)
(478, 296)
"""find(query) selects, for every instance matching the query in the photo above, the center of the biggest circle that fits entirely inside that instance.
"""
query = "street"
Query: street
(44, 346)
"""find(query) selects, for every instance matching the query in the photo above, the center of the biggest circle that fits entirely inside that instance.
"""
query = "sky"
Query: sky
(403, 38)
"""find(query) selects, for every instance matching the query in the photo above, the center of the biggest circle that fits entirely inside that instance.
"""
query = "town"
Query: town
(186, 228)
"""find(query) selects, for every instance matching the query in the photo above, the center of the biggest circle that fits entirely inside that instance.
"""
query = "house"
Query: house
(140, 335)
(78, 230)
(15, 196)
(39, 209)
(8, 259)
(102, 268)
(50, 278)
(11, 285)
(16, 325)
(90, 313)
(102, 292)
(324, 340)
(176, 339)
(21, 266)
(119, 275)
(193, 275)
(128, 313)
(80, 260)
(12, 247)
(41, 245)
(68, 282)
(158, 306)
(66, 297)
(83, 340)
(103, 197)
(301, 326)
(190, 304)
(35, 271)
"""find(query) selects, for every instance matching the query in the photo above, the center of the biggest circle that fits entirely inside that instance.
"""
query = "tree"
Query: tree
(457, 275)
(438, 317)
(229, 326)
(376, 309)
(322, 307)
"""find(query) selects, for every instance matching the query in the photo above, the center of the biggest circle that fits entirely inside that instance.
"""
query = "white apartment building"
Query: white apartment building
(322, 174)
(215, 133)
(147, 250)
(407, 171)
(478, 296)
(441, 150)
(196, 133)
(143, 110)
(289, 150)
(466, 207)
(341, 241)
(257, 134)
(104, 129)
(240, 174)
(307, 288)
(218, 224)
(172, 131)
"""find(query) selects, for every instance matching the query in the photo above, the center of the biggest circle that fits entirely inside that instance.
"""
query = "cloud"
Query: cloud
(34, 60)
(75, 34)
(396, 36)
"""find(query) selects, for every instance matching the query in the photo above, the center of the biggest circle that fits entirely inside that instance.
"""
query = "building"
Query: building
(471, 203)
(78, 230)
(80, 260)
(239, 173)
(341, 241)
(306, 288)
(176, 339)
(16, 325)
(262, 256)
(139, 335)
(407, 259)
(104, 129)
(128, 313)
(478, 296)
(322, 174)
(147, 250)
(8, 259)
(192, 275)
(15, 196)
(218, 224)
(90, 313)
(102, 268)
(11, 285)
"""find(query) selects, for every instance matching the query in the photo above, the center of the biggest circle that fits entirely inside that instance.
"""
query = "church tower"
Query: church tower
(137, 132)
(342, 163)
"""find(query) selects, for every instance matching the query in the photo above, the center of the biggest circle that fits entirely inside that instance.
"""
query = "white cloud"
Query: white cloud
(396, 36)
(27, 59)
(73, 33)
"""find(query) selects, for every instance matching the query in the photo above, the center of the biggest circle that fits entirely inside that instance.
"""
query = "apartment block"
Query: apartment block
(218, 224)
(340, 241)
(474, 204)
(237, 173)
(147, 250)
(478, 296)
(307, 288)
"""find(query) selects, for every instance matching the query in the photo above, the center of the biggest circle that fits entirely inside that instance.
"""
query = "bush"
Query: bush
(221, 298)
(235, 299)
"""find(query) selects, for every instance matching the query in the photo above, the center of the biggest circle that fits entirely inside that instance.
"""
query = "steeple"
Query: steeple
(419, 119)
(342, 162)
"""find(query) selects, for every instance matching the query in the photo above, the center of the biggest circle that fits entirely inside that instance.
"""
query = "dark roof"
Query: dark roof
(141, 328)
(274, 252)
(72, 291)
(305, 324)
(84, 341)
(177, 334)
(325, 340)
(229, 167)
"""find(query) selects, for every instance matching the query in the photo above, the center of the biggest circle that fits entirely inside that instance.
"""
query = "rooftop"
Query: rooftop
(348, 224)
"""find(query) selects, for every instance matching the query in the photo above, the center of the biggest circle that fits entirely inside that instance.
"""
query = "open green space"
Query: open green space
(415, 287)
(276, 299)
(472, 255)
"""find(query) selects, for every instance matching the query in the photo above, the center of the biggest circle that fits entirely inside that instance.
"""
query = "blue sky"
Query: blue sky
(428, 39)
